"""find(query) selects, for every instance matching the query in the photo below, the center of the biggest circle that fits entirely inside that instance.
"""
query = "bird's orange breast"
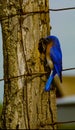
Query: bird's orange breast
(48, 49)
(48, 58)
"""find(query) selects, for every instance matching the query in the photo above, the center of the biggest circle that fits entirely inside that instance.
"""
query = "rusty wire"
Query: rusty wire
(63, 9)
(36, 12)
(59, 123)
(39, 74)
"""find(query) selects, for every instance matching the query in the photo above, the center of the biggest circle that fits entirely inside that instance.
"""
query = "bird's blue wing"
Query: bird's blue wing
(56, 56)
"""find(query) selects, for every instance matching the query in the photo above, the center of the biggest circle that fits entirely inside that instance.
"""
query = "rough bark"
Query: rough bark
(26, 105)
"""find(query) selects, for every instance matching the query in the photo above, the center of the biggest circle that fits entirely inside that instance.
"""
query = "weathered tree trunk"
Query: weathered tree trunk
(26, 105)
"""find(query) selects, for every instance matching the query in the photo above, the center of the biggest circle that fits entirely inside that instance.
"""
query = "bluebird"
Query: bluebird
(50, 46)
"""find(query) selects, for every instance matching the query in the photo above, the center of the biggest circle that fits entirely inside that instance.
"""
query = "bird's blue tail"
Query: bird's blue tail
(48, 83)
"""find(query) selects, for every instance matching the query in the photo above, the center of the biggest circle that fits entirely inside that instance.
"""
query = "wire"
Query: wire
(36, 12)
(68, 69)
(63, 9)
(65, 122)
(58, 123)
(39, 74)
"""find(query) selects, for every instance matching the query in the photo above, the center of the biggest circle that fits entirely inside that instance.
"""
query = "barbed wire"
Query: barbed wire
(39, 74)
(36, 12)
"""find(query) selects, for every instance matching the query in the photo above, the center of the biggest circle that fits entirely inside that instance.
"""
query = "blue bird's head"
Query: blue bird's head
(43, 42)
(54, 39)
